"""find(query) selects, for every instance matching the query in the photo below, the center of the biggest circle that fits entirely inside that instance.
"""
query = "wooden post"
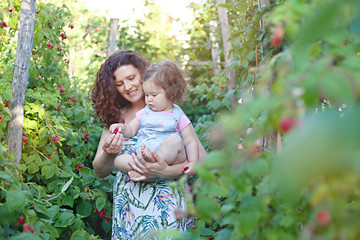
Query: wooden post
(272, 140)
(225, 32)
(20, 77)
(113, 36)
(215, 50)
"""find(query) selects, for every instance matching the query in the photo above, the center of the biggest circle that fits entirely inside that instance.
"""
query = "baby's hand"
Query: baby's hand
(115, 128)
(189, 169)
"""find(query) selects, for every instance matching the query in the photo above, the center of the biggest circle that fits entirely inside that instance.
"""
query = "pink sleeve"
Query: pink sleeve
(139, 114)
(183, 122)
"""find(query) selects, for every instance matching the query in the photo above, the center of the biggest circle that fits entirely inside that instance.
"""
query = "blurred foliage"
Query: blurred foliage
(251, 186)
(54, 189)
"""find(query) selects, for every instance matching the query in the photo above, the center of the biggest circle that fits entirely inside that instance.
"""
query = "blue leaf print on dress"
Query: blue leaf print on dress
(149, 223)
(164, 200)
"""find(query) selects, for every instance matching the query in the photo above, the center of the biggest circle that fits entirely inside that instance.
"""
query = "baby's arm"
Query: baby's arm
(127, 130)
(191, 147)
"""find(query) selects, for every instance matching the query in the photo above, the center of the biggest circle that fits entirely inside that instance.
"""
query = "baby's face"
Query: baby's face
(155, 98)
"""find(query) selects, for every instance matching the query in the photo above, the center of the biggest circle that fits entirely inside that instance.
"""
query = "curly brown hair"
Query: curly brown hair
(169, 77)
(107, 102)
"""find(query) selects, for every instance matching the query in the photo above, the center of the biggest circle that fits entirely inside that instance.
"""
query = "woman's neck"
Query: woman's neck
(137, 106)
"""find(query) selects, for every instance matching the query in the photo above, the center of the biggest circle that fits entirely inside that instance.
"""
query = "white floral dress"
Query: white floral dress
(142, 208)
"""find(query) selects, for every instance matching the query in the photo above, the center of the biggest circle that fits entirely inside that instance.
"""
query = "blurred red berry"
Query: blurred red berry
(221, 86)
(32, 230)
(323, 218)
(26, 227)
(86, 136)
(286, 124)
(24, 134)
(4, 24)
(21, 220)
(6, 104)
(116, 130)
(275, 41)
(24, 139)
(279, 32)
(58, 107)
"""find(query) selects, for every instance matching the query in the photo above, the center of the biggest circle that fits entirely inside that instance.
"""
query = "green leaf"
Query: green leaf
(16, 200)
(48, 171)
(65, 219)
(52, 230)
(53, 211)
(205, 231)
(29, 159)
(248, 219)
(215, 159)
(88, 179)
(100, 203)
(84, 208)
(66, 186)
(227, 6)
(207, 207)
(31, 124)
(33, 168)
(205, 174)
(41, 209)
(67, 200)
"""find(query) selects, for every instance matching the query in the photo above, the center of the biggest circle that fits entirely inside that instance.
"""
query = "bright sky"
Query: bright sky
(134, 9)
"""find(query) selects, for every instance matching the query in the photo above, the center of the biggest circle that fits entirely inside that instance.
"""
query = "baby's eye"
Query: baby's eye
(154, 95)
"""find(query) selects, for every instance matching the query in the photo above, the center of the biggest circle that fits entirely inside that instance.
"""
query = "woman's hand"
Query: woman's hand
(148, 170)
(151, 170)
(113, 144)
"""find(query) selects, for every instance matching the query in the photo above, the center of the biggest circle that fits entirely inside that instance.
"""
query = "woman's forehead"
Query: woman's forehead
(125, 71)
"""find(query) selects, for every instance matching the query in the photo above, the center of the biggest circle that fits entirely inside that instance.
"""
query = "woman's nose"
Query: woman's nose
(127, 84)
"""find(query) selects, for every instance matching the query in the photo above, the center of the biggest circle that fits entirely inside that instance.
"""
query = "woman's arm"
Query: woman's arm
(109, 146)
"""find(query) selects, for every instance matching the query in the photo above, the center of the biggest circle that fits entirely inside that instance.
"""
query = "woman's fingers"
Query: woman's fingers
(113, 144)
(135, 165)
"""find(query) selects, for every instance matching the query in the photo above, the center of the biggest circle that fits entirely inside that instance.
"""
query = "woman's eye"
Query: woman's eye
(119, 84)
(131, 78)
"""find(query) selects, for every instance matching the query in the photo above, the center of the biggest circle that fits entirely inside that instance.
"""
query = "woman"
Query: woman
(139, 207)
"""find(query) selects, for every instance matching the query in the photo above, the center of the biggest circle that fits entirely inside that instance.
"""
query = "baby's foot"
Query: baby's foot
(147, 153)
(134, 175)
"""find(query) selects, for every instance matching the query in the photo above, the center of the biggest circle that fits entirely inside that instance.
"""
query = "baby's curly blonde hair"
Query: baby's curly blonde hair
(169, 77)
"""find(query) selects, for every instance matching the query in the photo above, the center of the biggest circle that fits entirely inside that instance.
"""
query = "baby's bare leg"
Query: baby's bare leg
(172, 149)
(121, 162)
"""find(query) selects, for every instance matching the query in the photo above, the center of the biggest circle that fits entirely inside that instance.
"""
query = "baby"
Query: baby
(161, 126)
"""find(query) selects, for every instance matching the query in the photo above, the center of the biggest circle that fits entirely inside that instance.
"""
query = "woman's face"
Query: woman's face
(128, 83)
